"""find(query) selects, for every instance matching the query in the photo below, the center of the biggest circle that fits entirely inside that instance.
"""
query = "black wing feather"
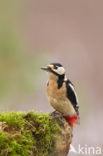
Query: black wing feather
(72, 96)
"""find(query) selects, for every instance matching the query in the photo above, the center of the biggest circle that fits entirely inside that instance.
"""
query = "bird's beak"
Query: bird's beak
(46, 68)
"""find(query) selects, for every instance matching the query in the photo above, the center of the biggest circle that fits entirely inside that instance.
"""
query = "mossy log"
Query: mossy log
(34, 134)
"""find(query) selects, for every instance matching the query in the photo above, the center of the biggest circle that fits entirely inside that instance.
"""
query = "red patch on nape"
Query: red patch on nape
(71, 120)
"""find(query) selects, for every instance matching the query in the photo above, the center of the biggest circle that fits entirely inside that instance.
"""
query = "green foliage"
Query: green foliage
(30, 134)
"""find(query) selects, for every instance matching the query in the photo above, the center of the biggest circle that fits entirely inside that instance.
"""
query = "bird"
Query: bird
(61, 93)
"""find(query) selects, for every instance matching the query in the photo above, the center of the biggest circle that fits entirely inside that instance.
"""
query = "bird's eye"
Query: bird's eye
(55, 67)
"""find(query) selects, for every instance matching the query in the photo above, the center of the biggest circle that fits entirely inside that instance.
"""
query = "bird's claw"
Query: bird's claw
(54, 113)
(58, 116)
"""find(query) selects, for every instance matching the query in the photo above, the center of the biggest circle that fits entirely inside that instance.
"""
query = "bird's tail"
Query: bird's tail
(78, 120)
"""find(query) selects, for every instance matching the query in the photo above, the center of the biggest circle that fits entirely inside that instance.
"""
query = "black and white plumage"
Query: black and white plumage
(72, 96)
(70, 92)
(61, 92)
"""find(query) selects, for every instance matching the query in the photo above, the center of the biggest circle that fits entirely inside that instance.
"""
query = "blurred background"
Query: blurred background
(35, 33)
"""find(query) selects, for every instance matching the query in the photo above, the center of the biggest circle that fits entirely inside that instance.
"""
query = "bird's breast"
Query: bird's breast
(53, 91)
(57, 98)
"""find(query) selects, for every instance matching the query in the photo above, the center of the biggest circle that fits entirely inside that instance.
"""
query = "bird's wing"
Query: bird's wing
(72, 96)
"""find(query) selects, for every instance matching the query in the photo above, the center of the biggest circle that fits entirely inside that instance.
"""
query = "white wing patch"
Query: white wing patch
(72, 87)
(65, 78)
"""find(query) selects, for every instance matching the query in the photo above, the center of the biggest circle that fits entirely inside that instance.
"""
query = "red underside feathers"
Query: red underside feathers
(71, 120)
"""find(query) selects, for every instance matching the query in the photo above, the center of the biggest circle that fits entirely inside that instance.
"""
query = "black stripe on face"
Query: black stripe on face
(60, 80)
(60, 77)
(55, 73)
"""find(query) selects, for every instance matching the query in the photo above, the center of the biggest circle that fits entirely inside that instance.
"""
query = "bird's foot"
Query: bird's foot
(59, 117)
(55, 113)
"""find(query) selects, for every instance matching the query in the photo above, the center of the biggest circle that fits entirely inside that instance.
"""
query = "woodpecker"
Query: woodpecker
(61, 93)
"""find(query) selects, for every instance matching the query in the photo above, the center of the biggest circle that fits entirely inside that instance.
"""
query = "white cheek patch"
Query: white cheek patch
(60, 70)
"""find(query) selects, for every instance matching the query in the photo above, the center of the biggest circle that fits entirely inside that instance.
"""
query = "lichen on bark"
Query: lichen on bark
(33, 134)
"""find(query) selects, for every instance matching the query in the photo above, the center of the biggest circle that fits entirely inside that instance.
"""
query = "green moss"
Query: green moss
(13, 119)
(30, 134)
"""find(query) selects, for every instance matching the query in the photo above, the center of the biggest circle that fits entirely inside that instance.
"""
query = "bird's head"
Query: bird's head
(55, 70)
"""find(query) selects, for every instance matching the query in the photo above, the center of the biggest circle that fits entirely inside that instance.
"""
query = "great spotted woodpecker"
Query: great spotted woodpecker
(61, 93)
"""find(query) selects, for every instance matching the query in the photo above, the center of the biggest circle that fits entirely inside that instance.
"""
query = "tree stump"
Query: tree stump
(34, 134)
